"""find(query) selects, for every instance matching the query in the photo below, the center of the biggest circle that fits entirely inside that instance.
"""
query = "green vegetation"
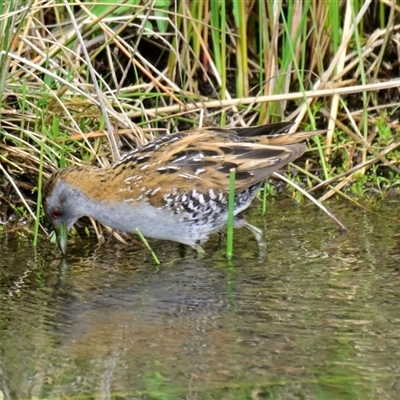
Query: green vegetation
(231, 217)
(87, 82)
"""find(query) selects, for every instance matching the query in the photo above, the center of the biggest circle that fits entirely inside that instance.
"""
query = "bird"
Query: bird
(175, 187)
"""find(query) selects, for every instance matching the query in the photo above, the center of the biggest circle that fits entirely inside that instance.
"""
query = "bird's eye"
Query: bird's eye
(56, 213)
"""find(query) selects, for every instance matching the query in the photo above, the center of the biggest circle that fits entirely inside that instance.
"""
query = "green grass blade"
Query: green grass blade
(148, 247)
(231, 216)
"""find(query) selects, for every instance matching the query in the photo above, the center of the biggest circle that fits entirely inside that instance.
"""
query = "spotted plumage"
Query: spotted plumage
(175, 187)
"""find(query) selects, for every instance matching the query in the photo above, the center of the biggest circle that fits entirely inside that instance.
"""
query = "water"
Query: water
(318, 318)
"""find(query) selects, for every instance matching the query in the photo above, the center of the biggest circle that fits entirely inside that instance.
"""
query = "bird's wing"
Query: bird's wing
(201, 160)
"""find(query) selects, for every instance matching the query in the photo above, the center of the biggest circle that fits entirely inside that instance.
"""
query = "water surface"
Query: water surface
(317, 318)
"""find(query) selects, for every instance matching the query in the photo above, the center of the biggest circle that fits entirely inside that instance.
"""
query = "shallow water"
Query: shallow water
(318, 318)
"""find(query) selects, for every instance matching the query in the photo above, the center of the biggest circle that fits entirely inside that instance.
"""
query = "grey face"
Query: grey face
(59, 206)
(61, 211)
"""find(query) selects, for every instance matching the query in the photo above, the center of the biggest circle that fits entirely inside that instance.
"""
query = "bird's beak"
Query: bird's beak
(62, 237)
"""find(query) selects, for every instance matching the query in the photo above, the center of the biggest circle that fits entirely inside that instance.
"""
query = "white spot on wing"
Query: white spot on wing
(188, 176)
(155, 191)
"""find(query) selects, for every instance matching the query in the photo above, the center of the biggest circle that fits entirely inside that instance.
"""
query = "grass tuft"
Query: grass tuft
(165, 66)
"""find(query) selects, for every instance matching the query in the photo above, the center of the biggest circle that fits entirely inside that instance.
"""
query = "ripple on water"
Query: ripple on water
(319, 314)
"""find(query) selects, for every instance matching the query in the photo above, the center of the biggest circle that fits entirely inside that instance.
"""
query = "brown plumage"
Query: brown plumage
(175, 187)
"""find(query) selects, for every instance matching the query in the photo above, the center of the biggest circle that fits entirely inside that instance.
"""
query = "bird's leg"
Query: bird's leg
(200, 251)
(222, 237)
(258, 234)
(182, 250)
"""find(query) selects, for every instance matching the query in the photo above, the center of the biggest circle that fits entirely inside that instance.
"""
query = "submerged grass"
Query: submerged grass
(170, 66)
(231, 215)
(148, 247)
